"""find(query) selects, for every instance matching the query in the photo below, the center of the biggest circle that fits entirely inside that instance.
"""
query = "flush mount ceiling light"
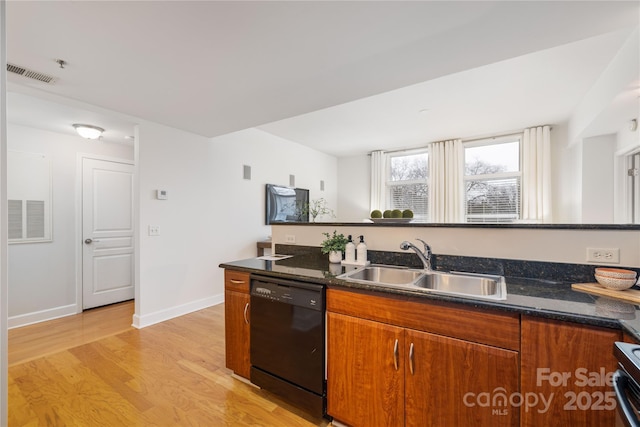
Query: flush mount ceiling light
(88, 131)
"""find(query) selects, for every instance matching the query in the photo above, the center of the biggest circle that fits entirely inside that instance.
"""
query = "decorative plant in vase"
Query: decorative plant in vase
(316, 208)
(334, 245)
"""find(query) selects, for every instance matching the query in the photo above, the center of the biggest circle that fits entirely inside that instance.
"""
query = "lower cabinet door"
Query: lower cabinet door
(451, 382)
(237, 332)
(569, 365)
(365, 372)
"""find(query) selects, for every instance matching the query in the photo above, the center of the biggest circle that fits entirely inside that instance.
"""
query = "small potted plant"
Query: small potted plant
(334, 246)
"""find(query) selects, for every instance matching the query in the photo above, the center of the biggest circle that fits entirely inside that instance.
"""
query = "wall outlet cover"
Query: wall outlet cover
(603, 255)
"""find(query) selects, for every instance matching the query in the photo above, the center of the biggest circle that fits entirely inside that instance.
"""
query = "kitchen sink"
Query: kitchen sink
(477, 285)
(450, 283)
(382, 274)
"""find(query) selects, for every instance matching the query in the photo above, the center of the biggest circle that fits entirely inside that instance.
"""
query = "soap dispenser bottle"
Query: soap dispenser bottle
(350, 251)
(361, 252)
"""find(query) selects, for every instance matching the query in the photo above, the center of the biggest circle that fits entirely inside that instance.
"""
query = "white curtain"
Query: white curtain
(536, 175)
(378, 176)
(446, 191)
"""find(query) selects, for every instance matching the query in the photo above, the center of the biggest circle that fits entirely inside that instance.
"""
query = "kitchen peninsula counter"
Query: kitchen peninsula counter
(551, 299)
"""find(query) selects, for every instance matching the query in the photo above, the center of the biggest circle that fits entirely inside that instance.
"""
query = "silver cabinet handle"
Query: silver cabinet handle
(246, 308)
(411, 358)
(236, 282)
(90, 241)
(395, 355)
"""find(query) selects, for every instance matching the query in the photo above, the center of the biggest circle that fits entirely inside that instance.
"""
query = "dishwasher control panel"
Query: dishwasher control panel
(309, 296)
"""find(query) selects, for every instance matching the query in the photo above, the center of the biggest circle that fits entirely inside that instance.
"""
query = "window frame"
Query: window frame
(389, 183)
(504, 139)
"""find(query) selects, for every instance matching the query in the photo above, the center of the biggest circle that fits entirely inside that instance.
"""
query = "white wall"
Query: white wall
(563, 246)
(597, 179)
(354, 176)
(241, 203)
(620, 76)
(628, 140)
(175, 274)
(212, 215)
(566, 177)
(42, 276)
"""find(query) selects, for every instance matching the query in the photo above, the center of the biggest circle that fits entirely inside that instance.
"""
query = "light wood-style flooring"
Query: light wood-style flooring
(94, 369)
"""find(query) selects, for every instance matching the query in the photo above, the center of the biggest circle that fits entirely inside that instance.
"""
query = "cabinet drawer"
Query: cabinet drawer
(236, 281)
(453, 320)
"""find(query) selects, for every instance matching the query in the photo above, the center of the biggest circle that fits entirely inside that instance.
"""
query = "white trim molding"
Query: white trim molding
(41, 316)
(176, 311)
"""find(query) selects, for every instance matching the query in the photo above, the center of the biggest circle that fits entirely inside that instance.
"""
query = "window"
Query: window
(407, 183)
(492, 180)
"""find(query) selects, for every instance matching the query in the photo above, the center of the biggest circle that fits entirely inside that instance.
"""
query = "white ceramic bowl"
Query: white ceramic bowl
(615, 283)
(617, 273)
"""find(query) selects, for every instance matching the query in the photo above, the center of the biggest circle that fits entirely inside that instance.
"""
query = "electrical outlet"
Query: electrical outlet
(603, 255)
(289, 238)
(154, 230)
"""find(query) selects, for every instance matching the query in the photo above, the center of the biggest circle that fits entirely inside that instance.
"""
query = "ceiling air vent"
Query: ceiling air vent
(25, 72)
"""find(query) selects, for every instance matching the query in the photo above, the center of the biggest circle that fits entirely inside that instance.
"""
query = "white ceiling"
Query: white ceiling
(341, 77)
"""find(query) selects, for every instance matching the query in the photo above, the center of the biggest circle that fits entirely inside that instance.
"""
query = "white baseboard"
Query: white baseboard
(41, 316)
(176, 311)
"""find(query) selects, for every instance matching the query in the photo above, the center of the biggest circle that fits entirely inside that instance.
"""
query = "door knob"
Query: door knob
(88, 241)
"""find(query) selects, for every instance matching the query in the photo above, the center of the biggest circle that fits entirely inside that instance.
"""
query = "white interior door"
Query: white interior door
(107, 225)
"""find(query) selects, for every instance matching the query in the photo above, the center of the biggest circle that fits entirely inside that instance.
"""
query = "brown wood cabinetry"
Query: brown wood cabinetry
(569, 366)
(451, 382)
(626, 337)
(395, 360)
(365, 377)
(236, 316)
(386, 367)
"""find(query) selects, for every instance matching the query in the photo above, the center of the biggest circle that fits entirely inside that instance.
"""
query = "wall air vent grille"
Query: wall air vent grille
(15, 69)
(30, 74)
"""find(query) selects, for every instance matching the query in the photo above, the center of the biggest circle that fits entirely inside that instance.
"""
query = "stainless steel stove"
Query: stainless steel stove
(626, 384)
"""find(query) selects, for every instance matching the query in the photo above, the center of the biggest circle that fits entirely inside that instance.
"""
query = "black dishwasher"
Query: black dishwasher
(288, 341)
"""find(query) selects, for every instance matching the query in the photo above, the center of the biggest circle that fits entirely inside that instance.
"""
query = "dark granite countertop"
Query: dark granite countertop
(536, 297)
(418, 223)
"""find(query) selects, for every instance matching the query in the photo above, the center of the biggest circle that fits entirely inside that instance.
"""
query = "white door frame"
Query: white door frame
(78, 233)
(622, 186)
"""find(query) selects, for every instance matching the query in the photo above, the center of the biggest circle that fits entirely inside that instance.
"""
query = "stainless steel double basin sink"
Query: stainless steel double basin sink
(450, 283)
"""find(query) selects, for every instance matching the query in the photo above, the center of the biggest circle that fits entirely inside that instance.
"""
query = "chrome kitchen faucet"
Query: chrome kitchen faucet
(425, 256)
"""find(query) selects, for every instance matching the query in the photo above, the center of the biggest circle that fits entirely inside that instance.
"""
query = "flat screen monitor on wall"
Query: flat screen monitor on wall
(286, 204)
